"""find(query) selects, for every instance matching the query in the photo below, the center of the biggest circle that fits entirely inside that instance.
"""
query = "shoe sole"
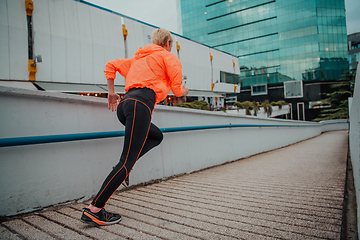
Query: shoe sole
(97, 222)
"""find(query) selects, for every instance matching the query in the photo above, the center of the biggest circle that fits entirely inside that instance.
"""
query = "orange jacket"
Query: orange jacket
(152, 67)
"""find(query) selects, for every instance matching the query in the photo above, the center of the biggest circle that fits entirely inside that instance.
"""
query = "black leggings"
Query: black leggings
(134, 112)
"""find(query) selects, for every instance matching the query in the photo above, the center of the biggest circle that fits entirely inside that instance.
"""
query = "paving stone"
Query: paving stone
(6, 234)
(278, 209)
(206, 223)
(157, 226)
(251, 212)
(245, 224)
(53, 228)
(78, 226)
(131, 233)
(26, 230)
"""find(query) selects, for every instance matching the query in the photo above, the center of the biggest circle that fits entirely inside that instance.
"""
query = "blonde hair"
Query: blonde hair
(161, 37)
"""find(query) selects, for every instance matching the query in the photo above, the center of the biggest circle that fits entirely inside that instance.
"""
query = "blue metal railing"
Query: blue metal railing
(20, 141)
(193, 128)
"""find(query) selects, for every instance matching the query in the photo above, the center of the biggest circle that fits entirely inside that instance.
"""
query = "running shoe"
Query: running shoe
(101, 218)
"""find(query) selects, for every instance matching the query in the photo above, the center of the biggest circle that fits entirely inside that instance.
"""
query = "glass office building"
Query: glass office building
(275, 40)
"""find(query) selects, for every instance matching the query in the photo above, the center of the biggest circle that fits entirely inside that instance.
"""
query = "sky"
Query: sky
(352, 16)
(162, 13)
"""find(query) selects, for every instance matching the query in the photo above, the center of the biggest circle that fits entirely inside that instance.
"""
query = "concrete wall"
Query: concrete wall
(333, 125)
(36, 176)
(354, 138)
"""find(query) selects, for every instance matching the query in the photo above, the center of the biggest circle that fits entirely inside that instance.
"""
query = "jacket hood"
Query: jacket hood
(147, 50)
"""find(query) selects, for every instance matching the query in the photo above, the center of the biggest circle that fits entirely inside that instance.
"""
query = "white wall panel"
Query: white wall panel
(111, 25)
(131, 46)
(113, 44)
(118, 37)
(98, 44)
(202, 67)
(4, 41)
(223, 62)
(72, 30)
(119, 50)
(223, 87)
(42, 39)
(147, 33)
(18, 54)
(195, 59)
(217, 61)
(186, 61)
(18, 44)
(86, 49)
(135, 38)
(3, 13)
(58, 59)
(58, 41)
(17, 16)
(98, 64)
(96, 25)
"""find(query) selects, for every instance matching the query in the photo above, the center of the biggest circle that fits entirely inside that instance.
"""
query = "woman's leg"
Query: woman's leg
(137, 119)
(154, 138)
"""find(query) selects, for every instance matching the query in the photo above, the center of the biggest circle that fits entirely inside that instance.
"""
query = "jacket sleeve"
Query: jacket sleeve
(173, 69)
(118, 65)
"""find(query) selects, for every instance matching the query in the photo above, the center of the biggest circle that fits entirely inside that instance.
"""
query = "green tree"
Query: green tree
(338, 99)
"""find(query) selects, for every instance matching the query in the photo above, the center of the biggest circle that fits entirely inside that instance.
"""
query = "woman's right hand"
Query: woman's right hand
(113, 99)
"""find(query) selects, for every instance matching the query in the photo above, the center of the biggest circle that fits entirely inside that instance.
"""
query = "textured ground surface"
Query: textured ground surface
(294, 192)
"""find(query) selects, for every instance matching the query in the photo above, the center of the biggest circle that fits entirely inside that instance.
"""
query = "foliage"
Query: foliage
(338, 99)
(267, 107)
(279, 103)
(195, 104)
(239, 105)
(256, 107)
(248, 106)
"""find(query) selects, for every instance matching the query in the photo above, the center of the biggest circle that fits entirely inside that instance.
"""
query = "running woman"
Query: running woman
(149, 76)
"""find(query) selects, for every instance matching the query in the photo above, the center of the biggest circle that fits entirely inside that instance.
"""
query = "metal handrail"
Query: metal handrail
(21, 141)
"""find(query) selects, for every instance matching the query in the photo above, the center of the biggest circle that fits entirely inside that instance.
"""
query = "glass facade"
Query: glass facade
(275, 40)
(354, 50)
(354, 59)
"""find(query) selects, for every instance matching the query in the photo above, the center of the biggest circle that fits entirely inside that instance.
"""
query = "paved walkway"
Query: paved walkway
(295, 192)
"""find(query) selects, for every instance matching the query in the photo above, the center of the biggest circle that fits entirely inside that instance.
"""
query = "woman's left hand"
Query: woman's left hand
(113, 99)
